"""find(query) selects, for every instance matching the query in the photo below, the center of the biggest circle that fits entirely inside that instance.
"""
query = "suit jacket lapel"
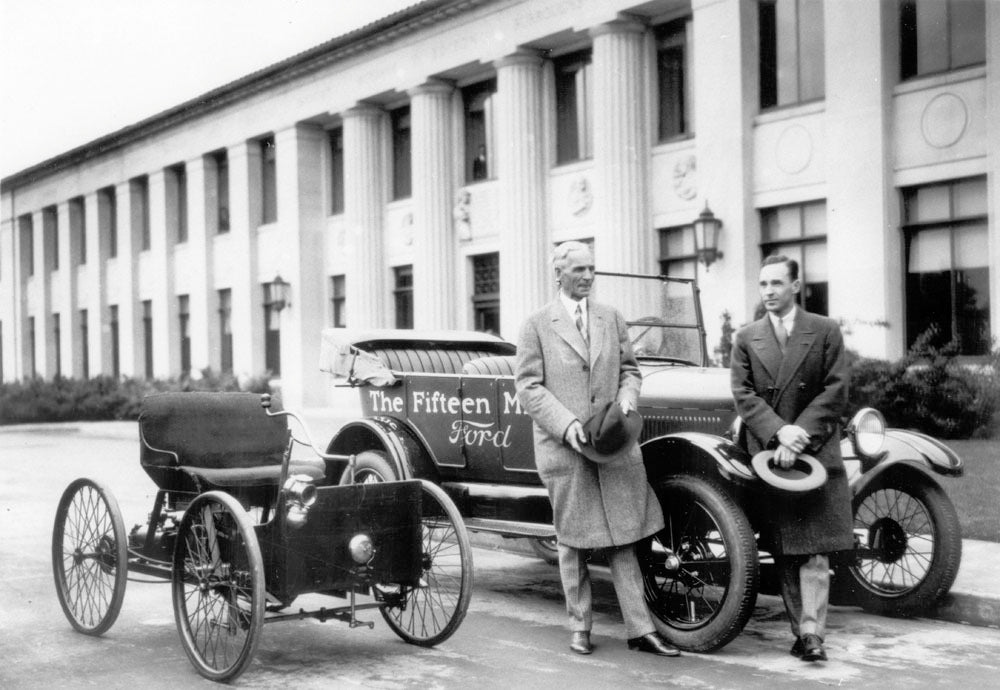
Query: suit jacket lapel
(566, 329)
(765, 344)
(595, 329)
(801, 339)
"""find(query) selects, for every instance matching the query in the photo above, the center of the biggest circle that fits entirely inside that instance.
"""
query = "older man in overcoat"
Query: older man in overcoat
(789, 380)
(573, 358)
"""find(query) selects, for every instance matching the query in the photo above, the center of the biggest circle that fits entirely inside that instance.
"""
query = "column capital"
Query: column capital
(363, 109)
(432, 86)
(523, 56)
(624, 24)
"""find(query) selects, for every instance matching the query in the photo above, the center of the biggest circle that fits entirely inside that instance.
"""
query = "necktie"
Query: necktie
(781, 334)
(579, 325)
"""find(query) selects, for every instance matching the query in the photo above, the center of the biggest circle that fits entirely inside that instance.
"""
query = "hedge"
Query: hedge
(102, 397)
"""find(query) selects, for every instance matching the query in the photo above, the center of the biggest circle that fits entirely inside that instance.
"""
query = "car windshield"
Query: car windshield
(663, 315)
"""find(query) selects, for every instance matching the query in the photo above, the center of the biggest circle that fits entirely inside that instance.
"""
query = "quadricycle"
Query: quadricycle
(240, 529)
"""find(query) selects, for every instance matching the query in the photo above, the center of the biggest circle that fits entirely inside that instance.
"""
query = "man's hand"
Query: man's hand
(575, 436)
(784, 457)
(626, 406)
(793, 437)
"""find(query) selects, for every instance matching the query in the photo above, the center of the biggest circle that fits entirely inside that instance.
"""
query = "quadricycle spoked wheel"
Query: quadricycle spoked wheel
(430, 613)
(218, 586)
(89, 556)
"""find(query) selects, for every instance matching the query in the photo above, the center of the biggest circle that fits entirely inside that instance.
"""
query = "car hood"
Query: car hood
(702, 388)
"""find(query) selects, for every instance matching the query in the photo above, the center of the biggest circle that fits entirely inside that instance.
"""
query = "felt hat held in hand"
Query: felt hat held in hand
(609, 431)
(805, 474)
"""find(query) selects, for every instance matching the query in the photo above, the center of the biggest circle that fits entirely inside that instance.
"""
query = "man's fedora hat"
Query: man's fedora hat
(805, 474)
(609, 431)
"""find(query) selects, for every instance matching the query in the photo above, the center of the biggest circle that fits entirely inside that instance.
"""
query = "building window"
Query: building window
(336, 171)
(272, 338)
(50, 237)
(573, 126)
(947, 270)
(486, 292)
(84, 344)
(678, 257)
(403, 296)
(147, 336)
(178, 213)
(672, 71)
(402, 187)
(116, 368)
(799, 232)
(26, 227)
(140, 211)
(107, 205)
(269, 182)
(338, 300)
(226, 330)
(480, 143)
(57, 343)
(184, 327)
(940, 35)
(221, 192)
(78, 229)
(791, 52)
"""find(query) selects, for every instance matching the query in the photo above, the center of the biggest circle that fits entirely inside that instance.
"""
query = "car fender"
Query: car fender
(905, 471)
(920, 449)
(408, 456)
(699, 453)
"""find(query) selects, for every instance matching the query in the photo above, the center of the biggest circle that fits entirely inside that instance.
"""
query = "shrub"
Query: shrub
(103, 397)
(928, 391)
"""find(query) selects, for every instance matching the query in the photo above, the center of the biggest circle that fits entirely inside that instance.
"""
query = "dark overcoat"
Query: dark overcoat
(806, 386)
(558, 379)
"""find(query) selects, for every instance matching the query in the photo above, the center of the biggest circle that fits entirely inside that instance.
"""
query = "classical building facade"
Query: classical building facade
(417, 172)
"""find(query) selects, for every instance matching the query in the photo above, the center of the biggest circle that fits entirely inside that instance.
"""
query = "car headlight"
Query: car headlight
(361, 548)
(867, 432)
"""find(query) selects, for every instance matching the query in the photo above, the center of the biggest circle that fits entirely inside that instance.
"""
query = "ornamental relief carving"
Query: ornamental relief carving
(794, 150)
(685, 177)
(462, 214)
(580, 197)
(944, 120)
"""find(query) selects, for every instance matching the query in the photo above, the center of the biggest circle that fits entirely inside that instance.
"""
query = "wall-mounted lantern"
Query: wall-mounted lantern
(276, 293)
(706, 236)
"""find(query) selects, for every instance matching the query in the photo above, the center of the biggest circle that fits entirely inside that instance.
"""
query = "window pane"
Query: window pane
(970, 198)
(815, 263)
(781, 223)
(811, 62)
(971, 247)
(932, 36)
(401, 176)
(930, 250)
(572, 128)
(269, 182)
(670, 66)
(222, 191)
(478, 101)
(787, 51)
(973, 304)
(928, 204)
(336, 171)
(676, 242)
(768, 54)
(968, 32)
(814, 219)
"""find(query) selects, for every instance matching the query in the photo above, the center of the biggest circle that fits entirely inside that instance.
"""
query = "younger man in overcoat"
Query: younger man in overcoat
(789, 380)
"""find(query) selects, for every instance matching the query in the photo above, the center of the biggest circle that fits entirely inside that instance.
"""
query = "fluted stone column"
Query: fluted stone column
(166, 350)
(521, 169)
(201, 297)
(247, 316)
(623, 237)
(69, 321)
(303, 220)
(434, 301)
(364, 201)
(96, 286)
(129, 314)
(993, 170)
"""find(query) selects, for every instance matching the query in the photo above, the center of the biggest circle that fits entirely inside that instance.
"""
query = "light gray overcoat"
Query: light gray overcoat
(806, 386)
(559, 380)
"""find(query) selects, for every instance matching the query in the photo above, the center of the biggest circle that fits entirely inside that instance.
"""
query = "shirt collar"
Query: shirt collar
(788, 320)
(571, 304)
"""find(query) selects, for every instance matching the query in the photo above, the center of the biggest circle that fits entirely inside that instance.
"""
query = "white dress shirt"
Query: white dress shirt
(571, 305)
(787, 320)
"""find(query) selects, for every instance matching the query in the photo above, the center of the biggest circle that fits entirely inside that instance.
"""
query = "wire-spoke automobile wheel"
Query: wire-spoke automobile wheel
(701, 571)
(370, 466)
(909, 545)
(218, 586)
(430, 613)
(89, 556)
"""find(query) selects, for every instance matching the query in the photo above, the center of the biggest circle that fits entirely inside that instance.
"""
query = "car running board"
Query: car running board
(507, 528)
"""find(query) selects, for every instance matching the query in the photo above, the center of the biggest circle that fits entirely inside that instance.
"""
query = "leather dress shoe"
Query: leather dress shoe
(579, 642)
(797, 649)
(654, 644)
(812, 648)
